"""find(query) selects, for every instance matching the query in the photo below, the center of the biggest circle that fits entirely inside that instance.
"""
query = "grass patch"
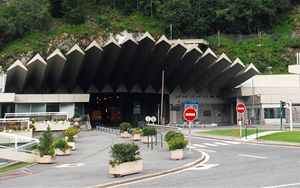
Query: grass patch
(288, 136)
(14, 167)
(231, 132)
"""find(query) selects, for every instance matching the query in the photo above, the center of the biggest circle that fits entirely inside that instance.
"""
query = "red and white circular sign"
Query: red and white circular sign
(240, 108)
(190, 114)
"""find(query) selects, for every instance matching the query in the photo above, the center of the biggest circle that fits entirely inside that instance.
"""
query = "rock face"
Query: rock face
(64, 43)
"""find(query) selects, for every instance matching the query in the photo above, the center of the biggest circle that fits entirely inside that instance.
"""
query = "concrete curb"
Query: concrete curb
(23, 168)
(144, 177)
(265, 142)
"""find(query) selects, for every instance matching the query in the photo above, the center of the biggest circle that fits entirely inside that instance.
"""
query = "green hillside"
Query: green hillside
(275, 47)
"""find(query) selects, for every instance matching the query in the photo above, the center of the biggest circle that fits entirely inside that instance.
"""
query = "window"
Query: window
(53, 107)
(273, 113)
(206, 113)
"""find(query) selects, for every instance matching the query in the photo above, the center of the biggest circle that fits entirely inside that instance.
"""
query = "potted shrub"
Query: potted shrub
(176, 146)
(46, 151)
(125, 159)
(61, 147)
(69, 135)
(124, 127)
(137, 134)
(172, 134)
(76, 117)
(149, 133)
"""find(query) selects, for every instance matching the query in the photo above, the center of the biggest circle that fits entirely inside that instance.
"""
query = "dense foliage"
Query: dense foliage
(45, 146)
(61, 144)
(176, 140)
(149, 131)
(124, 152)
(29, 25)
(172, 134)
(124, 126)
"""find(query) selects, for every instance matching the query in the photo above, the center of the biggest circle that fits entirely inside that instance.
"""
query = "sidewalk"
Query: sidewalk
(90, 164)
(195, 133)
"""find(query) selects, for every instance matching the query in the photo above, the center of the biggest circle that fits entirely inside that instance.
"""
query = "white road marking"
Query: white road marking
(209, 144)
(283, 185)
(253, 156)
(203, 167)
(206, 150)
(202, 163)
(70, 165)
(231, 142)
(221, 143)
(193, 147)
(199, 145)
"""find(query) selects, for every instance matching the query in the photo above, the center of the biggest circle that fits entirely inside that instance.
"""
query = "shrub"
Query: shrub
(124, 152)
(45, 146)
(31, 126)
(171, 134)
(177, 143)
(70, 132)
(124, 126)
(137, 131)
(149, 131)
(61, 144)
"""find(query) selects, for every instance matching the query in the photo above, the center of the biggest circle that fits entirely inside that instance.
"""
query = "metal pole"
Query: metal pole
(252, 115)
(161, 139)
(241, 121)
(291, 115)
(246, 132)
(190, 138)
(162, 94)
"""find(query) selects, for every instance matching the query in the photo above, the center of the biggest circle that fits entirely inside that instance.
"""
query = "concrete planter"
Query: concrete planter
(146, 139)
(177, 154)
(136, 137)
(72, 145)
(46, 159)
(125, 134)
(126, 168)
(59, 152)
(35, 151)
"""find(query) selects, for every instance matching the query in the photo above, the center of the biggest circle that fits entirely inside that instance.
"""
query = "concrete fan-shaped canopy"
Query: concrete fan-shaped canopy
(134, 65)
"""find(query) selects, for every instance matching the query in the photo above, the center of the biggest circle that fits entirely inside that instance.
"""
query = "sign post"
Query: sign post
(190, 114)
(240, 109)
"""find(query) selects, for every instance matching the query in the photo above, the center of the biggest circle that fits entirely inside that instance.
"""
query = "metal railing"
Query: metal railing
(36, 114)
(4, 121)
(18, 138)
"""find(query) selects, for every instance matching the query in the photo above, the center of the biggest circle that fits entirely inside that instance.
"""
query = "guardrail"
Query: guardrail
(17, 138)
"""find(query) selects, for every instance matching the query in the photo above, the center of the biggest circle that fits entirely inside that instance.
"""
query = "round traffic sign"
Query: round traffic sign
(148, 118)
(240, 108)
(190, 114)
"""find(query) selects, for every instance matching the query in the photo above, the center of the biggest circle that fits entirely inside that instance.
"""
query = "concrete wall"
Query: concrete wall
(220, 109)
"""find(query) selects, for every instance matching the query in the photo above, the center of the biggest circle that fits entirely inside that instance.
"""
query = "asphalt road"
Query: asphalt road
(235, 165)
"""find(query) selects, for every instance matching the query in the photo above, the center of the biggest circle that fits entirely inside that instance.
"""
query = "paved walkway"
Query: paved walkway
(89, 164)
(253, 136)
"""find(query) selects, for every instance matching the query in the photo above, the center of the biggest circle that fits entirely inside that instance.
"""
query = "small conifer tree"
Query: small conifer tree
(46, 141)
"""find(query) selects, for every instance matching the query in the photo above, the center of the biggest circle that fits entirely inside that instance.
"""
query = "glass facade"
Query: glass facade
(273, 113)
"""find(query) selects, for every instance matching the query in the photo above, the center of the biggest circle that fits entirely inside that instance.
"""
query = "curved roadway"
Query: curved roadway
(234, 164)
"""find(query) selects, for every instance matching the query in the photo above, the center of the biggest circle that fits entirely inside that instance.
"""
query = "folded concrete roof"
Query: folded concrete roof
(131, 66)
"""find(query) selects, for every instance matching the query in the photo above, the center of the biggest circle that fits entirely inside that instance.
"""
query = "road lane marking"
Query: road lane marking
(253, 156)
(203, 167)
(283, 185)
(231, 142)
(193, 147)
(199, 145)
(70, 165)
(206, 150)
(221, 143)
(209, 144)
(207, 157)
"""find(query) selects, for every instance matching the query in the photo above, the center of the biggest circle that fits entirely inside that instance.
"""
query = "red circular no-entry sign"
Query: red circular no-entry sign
(190, 114)
(240, 108)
